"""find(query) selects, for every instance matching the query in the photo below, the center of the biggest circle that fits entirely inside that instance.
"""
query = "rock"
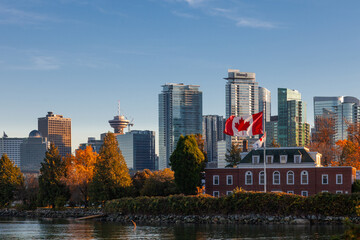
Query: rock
(300, 221)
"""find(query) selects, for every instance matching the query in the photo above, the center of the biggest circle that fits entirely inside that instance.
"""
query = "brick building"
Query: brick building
(290, 169)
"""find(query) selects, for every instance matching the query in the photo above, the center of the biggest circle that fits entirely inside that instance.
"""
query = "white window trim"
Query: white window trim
(229, 192)
(227, 179)
(339, 192)
(255, 159)
(218, 193)
(272, 159)
(290, 192)
(246, 174)
(260, 178)
(322, 179)
(324, 191)
(307, 177)
(274, 178)
(287, 178)
(299, 158)
(337, 175)
(285, 159)
(302, 193)
(214, 177)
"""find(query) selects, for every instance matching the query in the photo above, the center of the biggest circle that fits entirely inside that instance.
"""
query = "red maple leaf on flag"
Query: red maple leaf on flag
(242, 125)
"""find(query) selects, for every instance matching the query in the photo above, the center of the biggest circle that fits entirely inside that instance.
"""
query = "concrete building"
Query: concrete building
(180, 113)
(138, 149)
(221, 149)
(95, 144)
(293, 131)
(57, 130)
(265, 103)
(290, 170)
(213, 131)
(11, 147)
(241, 98)
(32, 152)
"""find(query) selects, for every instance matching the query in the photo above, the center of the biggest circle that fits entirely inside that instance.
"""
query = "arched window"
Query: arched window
(304, 177)
(276, 178)
(248, 178)
(290, 178)
(261, 178)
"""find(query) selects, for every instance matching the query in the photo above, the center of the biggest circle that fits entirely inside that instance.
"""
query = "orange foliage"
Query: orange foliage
(350, 154)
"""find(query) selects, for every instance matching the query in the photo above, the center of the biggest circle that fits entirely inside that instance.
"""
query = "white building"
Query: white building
(11, 147)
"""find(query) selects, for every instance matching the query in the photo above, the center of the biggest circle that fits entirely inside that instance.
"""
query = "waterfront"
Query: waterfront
(18, 228)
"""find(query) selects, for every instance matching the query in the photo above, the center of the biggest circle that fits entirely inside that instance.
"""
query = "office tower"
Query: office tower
(95, 144)
(265, 103)
(271, 128)
(32, 152)
(11, 147)
(242, 98)
(138, 149)
(213, 131)
(180, 113)
(57, 130)
(292, 130)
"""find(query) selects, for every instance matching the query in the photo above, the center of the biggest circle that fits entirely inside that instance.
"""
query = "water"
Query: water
(15, 228)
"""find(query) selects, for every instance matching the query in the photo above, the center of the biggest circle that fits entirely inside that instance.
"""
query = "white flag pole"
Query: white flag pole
(264, 143)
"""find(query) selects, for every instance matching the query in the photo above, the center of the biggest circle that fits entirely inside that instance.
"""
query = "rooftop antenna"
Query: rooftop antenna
(119, 108)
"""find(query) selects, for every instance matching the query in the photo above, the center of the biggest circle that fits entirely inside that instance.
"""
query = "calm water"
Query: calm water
(15, 228)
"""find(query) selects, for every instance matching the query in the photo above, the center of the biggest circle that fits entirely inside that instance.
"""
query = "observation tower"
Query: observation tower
(119, 123)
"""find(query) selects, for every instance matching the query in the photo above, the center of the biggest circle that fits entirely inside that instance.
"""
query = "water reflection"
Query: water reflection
(12, 228)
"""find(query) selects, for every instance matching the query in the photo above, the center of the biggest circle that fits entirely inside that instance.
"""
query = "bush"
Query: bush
(356, 186)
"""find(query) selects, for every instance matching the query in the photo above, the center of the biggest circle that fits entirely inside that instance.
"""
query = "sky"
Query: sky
(78, 58)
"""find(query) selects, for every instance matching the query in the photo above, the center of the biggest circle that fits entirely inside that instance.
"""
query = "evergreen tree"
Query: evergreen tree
(187, 161)
(111, 175)
(52, 188)
(11, 179)
(232, 157)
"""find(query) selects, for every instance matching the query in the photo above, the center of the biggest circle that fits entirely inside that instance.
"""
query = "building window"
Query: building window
(304, 193)
(297, 158)
(304, 177)
(216, 180)
(229, 192)
(229, 180)
(324, 179)
(255, 159)
(291, 192)
(339, 179)
(248, 178)
(276, 178)
(283, 159)
(269, 159)
(216, 193)
(324, 191)
(339, 192)
(290, 178)
(261, 178)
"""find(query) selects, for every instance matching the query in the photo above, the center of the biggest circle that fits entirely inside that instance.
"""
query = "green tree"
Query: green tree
(11, 179)
(232, 157)
(111, 176)
(187, 161)
(52, 187)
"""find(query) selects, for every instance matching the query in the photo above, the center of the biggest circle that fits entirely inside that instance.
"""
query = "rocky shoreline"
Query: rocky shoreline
(256, 219)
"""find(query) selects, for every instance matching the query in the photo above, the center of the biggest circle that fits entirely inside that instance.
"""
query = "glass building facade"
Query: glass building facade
(265, 102)
(180, 113)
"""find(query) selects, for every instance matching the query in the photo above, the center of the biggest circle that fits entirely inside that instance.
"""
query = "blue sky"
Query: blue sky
(78, 58)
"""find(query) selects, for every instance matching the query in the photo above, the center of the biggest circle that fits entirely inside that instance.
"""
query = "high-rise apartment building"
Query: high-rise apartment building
(265, 103)
(138, 149)
(32, 152)
(180, 113)
(11, 147)
(213, 131)
(241, 97)
(57, 130)
(271, 129)
(293, 131)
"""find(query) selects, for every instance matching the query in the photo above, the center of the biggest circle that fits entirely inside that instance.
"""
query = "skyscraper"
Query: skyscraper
(213, 131)
(293, 130)
(138, 149)
(271, 131)
(180, 113)
(57, 130)
(11, 147)
(265, 103)
(242, 98)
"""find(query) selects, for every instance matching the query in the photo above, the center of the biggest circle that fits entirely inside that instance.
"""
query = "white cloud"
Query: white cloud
(254, 23)
(16, 16)
(184, 15)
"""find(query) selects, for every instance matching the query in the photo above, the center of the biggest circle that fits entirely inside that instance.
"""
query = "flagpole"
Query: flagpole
(264, 143)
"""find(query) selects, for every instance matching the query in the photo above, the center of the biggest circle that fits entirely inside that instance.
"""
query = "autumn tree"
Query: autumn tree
(139, 179)
(232, 157)
(80, 171)
(52, 188)
(159, 183)
(275, 144)
(111, 175)
(11, 180)
(187, 161)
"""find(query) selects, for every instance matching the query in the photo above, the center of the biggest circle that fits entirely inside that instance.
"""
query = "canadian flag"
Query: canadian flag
(259, 142)
(244, 126)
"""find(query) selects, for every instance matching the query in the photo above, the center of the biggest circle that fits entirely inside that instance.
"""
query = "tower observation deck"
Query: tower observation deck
(119, 123)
